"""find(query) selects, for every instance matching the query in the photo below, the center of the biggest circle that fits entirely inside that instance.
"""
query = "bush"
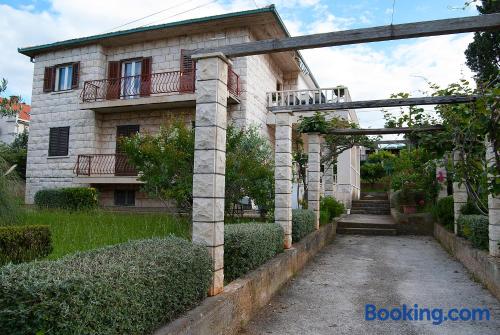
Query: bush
(443, 212)
(302, 223)
(475, 229)
(324, 217)
(72, 198)
(10, 209)
(469, 209)
(24, 243)
(248, 245)
(129, 288)
(333, 207)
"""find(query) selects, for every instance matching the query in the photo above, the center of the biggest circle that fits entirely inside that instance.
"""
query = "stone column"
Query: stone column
(314, 173)
(328, 177)
(459, 194)
(344, 177)
(283, 175)
(210, 160)
(493, 209)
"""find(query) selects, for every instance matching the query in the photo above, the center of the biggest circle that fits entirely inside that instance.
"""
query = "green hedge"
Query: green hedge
(332, 206)
(443, 212)
(72, 198)
(302, 223)
(248, 245)
(24, 243)
(324, 217)
(129, 288)
(475, 229)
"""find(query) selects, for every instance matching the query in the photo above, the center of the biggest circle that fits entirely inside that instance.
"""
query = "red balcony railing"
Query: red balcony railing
(233, 83)
(138, 86)
(104, 164)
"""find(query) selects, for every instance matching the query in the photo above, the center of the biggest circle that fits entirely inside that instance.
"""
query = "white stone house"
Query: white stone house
(88, 92)
(12, 126)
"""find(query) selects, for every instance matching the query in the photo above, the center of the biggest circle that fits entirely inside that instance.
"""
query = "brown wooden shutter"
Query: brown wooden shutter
(75, 75)
(113, 90)
(49, 79)
(58, 141)
(187, 73)
(146, 76)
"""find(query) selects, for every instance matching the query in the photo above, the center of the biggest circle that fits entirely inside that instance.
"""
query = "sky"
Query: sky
(370, 71)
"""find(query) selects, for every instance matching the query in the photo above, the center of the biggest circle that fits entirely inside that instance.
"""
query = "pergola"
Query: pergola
(211, 123)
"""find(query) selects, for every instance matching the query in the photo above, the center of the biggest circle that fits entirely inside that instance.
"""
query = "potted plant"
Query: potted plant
(408, 198)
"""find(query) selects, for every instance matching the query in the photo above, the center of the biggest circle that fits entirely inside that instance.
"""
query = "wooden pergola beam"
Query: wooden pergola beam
(441, 100)
(364, 35)
(382, 131)
(392, 142)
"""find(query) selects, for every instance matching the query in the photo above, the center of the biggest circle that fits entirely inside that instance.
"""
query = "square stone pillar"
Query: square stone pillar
(210, 160)
(283, 175)
(459, 194)
(344, 178)
(493, 209)
(328, 177)
(314, 173)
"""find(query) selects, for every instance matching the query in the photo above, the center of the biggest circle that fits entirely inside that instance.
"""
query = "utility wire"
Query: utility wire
(392, 14)
(186, 11)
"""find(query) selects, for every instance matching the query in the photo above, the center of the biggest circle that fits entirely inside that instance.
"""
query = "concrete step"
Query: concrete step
(357, 224)
(357, 205)
(365, 201)
(366, 231)
(374, 211)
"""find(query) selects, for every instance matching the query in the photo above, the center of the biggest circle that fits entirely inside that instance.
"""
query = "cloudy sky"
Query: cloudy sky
(371, 71)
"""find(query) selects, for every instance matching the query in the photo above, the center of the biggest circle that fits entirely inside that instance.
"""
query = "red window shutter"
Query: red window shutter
(49, 79)
(187, 73)
(113, 89)
(146, 76)
(75, 75)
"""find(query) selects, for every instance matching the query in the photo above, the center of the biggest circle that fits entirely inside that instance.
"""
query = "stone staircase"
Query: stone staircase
(369, 216)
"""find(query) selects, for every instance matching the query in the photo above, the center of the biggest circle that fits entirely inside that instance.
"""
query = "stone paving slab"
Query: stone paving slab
(330, 294)
(368, 218)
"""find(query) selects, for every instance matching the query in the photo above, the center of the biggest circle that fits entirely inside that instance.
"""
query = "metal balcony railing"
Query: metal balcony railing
(104, 164)
(233, 83)
(308, 97)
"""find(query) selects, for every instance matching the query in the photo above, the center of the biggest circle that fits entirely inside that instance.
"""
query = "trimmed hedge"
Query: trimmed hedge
(249, 245)
(332, 206)
(302, 223)
(24, 243)
(129, 288)
(443, 212)
(72, 198)
(475, 229)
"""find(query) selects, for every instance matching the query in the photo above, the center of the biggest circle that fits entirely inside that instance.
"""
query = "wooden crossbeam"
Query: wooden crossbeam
(392, 142)
(364, 35)
(382, 131)
(442, 100)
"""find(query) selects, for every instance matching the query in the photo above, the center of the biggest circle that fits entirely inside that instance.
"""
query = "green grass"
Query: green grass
(79, 231)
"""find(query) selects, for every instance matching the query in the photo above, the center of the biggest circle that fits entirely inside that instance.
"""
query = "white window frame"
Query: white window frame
(136, 64)
(66, 80)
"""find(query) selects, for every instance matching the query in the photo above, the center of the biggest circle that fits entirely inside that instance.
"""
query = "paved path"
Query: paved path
(329, 295)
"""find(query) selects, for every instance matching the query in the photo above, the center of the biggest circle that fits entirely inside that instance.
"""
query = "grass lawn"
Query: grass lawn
(79, 231)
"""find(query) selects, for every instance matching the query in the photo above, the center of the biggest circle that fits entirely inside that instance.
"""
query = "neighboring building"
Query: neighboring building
(11, 126)
(89, 92)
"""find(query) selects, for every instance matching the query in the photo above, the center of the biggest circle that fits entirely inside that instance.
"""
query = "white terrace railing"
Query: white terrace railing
(308, 97)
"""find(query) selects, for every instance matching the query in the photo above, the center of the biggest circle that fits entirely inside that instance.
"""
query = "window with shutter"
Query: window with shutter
(58, 141)
(76, 75)
(48, 79)
(187, 75)
(146, 76)
(113, 89)
(124, 197)
(61, 77)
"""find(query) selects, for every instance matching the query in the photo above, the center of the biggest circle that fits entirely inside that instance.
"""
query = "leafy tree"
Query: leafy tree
(8, 106)
(165, 162)
(16, 152)
(372, 172)
(483, 53)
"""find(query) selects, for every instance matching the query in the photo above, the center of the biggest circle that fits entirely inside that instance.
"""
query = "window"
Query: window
(124, 197)
(58, 141)
(61, 77)
(131, 74)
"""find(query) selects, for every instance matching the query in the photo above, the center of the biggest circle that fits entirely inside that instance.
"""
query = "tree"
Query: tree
(16, 152)
(8, 106)
(483, 53)
(165, 161)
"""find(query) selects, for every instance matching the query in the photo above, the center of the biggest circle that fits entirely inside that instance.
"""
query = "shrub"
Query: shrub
(324, 217)
(129, 288)
(302, 223)
(469, 209)
(72, 198)
(475, 229)
(248, 245)
(333, 207)
(9, 185)
(24, 243)
(443, 212)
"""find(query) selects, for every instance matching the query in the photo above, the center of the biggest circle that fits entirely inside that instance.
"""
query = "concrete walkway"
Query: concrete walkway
(330, 294)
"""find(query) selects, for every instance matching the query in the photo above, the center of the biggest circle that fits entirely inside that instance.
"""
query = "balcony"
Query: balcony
(105, 169)
(308, 97)
(143, 92)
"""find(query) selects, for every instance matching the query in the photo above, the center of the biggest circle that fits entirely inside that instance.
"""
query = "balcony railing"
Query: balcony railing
(233, 83)
(308, 97)
(138, 86)
(104, 164)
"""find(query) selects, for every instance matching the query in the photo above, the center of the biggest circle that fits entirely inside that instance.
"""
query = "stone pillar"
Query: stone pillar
(493, 209)
(314, 173)
(459, 194)
(210, 160)
(283, 175)
(344, 177)
(328, 180)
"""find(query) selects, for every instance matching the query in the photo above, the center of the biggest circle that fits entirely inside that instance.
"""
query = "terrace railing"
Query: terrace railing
(233, 83)
(308, 97)
(104, 164)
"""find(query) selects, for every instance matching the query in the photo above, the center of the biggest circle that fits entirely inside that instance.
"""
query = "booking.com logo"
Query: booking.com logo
(415, 313)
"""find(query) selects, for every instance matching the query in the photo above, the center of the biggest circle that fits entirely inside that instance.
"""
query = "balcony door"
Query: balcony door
(131, 83)
(122, 166)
